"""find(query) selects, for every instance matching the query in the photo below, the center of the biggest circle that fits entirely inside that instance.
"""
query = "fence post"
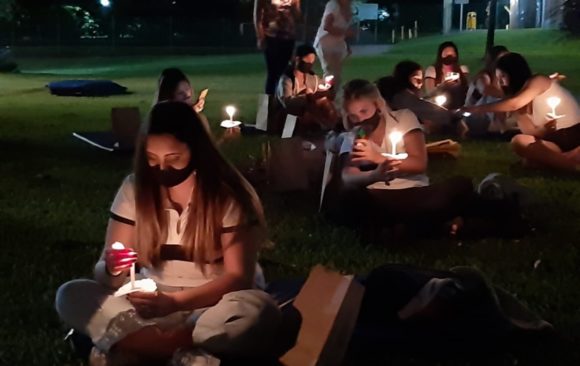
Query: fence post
(171, 32)
(113, 25)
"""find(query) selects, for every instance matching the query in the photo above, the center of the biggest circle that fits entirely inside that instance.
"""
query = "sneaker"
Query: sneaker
(496, 186)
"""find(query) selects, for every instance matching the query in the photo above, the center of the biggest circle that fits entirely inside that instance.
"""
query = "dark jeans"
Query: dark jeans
(277, 53)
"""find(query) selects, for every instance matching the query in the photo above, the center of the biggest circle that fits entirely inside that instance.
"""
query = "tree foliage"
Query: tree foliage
(572, 16)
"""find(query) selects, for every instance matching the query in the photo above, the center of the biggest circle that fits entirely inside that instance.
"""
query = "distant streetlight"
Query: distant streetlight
(106, 3)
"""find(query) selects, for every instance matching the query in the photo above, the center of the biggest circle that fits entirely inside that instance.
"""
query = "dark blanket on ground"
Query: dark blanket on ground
(87, 88)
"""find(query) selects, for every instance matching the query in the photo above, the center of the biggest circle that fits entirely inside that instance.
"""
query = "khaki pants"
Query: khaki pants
(239, 324)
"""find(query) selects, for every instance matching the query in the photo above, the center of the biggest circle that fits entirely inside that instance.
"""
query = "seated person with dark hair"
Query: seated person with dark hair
(403, 91)
(302, 93)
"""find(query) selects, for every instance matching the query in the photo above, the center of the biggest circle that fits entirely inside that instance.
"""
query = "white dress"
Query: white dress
(328, 45)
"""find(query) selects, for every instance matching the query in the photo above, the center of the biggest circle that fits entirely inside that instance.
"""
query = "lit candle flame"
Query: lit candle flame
(395, 138)
(553, 102)
(117, 246)
(440, 100)
(230, 110)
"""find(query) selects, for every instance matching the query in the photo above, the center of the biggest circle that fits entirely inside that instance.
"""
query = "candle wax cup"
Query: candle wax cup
(145, 285)
(400, 156)
(229, 123)
(551, 116)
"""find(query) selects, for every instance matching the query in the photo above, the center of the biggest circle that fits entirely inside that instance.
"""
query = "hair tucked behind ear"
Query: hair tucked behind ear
(361, 89)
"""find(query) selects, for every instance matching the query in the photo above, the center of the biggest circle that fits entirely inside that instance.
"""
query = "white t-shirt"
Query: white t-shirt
(568, 107)
(327, 40)
(403, 121)
(431, 73)
(177, 273)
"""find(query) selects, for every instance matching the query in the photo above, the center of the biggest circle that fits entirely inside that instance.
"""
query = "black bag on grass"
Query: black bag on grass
(438, 313)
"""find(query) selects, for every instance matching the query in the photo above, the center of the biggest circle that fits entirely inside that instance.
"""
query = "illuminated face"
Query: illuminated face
(416, 79)
(183, 92)
(359, 110)
(448, 51)
(310, 58)
(167, 152)
(502, 78)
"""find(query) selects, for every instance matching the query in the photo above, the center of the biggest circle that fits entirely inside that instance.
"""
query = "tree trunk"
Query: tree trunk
(491, 26)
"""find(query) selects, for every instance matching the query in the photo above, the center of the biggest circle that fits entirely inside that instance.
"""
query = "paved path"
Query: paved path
(370, 49)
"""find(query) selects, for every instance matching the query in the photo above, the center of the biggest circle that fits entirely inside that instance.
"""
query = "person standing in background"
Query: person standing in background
(275, 23)
(330, 43)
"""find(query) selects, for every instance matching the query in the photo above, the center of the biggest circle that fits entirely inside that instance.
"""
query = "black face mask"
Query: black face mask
(305, 67)
(371, 124)
(171, 177)
(449, 60)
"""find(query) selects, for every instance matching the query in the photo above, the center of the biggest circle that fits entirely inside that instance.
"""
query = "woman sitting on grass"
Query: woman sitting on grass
(447, 76)
(483, 89)
(303, 94)
(174, 86)
(403, 91)
(191, 223)
(382, 189)
(547, 140)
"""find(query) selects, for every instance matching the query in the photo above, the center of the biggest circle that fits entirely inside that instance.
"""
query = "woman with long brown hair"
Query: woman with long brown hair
(192, 224)
(447, 76)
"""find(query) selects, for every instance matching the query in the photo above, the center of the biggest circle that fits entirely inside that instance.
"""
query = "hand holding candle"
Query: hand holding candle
(119, 259)
(229, 123)
(327, 83)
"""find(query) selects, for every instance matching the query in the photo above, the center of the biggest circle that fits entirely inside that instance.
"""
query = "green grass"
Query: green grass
(55, 192)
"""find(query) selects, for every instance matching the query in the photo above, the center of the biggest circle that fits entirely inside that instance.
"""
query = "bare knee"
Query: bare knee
(520, 142)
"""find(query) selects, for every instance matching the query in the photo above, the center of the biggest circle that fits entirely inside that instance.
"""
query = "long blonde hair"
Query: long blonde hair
(362, 89)
(217, 185)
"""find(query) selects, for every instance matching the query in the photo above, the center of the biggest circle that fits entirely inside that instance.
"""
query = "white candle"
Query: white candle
(119, 246)
(395, 138)
(230, 110)
(553, 102)
(132, 276)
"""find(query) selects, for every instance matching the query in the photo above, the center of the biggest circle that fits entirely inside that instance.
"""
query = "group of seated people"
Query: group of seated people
(503, 98)
(191, 222)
